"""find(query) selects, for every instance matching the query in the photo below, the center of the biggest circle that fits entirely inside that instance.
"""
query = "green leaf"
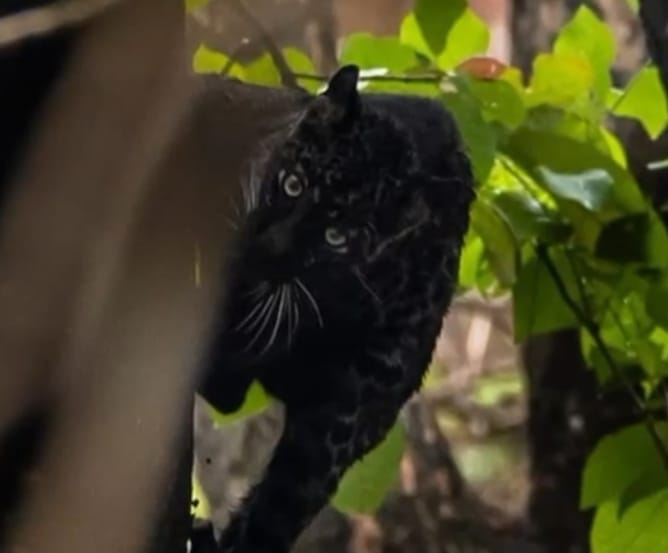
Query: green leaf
(478, 136)
(368, 52)
(529, 218)
(200, 507)
(554, 120)
(426, 28)
(470, 261)
(367, 482)
(500, 102)
(644, 100)
(577, 171)
(192, 5)
(468, 36)
(257, 400)
(208, 60)
(299, 62)
(563, 80)
(587, 36)
(496, 234)
(621, 459)
(592, 189)
(636, 238)
(634, 5)
(641, 529)
(657, 303)
(538, 305)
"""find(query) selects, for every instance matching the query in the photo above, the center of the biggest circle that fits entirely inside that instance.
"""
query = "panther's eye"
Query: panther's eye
(335, 238)
(292, 185)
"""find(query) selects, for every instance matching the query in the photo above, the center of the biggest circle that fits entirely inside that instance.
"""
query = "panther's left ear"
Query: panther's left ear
(342, 89)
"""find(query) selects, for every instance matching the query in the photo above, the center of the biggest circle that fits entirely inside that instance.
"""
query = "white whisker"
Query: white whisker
(311, 299)
(288, 291)
(250, 315)
(279, 318)
(265, 322)
(267, 307)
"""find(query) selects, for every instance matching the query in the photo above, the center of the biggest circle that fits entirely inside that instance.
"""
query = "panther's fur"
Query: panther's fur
(346, 264)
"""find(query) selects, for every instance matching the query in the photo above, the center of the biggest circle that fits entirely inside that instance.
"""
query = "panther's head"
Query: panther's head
(349, 190)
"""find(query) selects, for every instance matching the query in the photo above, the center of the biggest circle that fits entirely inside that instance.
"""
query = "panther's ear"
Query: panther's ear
(342, 89)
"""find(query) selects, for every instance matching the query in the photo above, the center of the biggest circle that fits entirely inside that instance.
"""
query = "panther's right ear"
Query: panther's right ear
(342, 90)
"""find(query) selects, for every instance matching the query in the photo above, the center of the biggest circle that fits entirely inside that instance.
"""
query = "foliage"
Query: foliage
(560, 221)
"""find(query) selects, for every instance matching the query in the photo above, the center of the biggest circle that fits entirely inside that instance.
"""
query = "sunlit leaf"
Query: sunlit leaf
(619, 460)
(208, 60)
(471, 258)
(644, 100)
(200, 507)
(367, 482)
(498, 238)
(587, 36)
(563, 80)
(467, 37)
(257, 400)
(426, 28)
(368, 51)
(499, 101)
(479, 137)
(640, 529)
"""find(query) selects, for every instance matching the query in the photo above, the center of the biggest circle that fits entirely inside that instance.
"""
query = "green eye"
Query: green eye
(335, 238)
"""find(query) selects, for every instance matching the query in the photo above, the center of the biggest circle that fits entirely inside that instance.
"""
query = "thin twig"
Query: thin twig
(592, 328)
(38, 21)
(288, 77)
(414, 79)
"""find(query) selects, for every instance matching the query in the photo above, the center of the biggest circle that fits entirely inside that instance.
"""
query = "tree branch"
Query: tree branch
(288, 78)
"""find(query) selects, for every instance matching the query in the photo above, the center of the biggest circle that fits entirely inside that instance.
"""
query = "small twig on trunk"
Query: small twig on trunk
(288, 77)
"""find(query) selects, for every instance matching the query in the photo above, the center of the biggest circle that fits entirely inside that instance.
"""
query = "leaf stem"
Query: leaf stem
(592, 328)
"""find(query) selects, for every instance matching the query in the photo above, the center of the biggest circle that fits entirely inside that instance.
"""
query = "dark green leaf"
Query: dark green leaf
(538, 305)
(528, 218)
(637, 238)
(366, 484)
(577, 171)
(657, 303)
(620, 460)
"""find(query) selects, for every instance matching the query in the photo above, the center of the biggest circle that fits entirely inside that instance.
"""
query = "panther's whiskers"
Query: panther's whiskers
(278, 319)
(265, 318)
(311, 300)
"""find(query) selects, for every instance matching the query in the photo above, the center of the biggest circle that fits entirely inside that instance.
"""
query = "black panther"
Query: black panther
(345, 265)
